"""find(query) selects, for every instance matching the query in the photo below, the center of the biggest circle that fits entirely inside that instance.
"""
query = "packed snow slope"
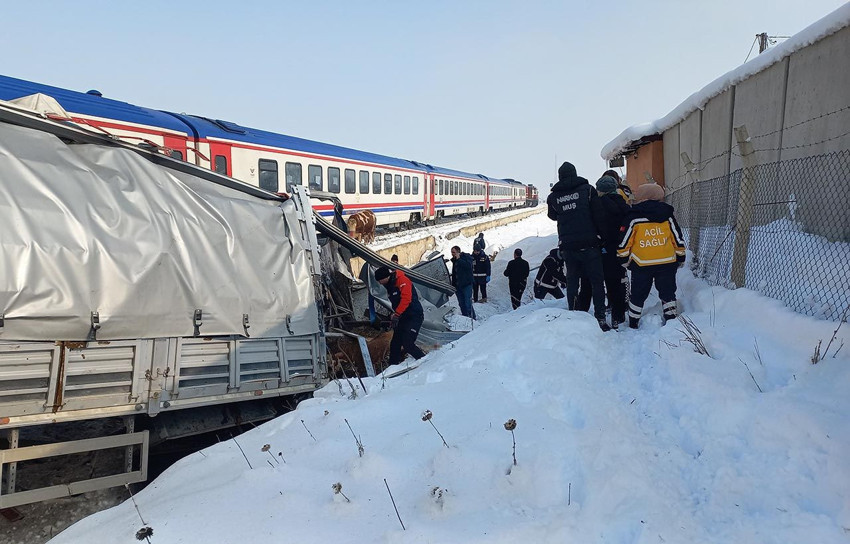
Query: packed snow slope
(621, 437)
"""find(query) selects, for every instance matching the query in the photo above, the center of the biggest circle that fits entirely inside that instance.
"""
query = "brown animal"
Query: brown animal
(361, 226)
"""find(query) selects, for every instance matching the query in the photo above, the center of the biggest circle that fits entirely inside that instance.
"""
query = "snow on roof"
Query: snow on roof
(815, 32)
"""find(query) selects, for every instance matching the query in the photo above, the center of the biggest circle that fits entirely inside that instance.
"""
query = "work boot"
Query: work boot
(604, 325)
(483, 300)
(615, 323)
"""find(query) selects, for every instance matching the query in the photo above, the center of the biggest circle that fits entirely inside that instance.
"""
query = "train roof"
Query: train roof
(93, 105)
(226, 130)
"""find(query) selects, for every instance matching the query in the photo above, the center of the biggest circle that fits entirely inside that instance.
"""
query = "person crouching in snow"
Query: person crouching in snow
(653, 248)
(480, 274)
(550, 277)
(407, 315)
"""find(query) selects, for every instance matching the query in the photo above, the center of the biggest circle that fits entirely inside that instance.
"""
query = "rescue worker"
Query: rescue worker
(653, 247)
(517, 273)
(550, 277)
(462, 281)
(480, 274)
(614, 211)
(407, 313)
(574, 204)
(478, 243)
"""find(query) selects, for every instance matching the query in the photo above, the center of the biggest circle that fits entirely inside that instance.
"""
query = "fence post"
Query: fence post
(744, 217)
(693, 211)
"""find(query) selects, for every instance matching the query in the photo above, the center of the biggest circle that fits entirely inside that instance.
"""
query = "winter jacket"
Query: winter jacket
(574, 204)
(480, 265)
(613, 212)
(517, 271)
(478, 243)
(403, 295)
(551, 272)
(651, 235)
(462, 270)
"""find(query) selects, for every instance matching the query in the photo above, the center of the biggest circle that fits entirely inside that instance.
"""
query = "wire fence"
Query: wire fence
(782, 229)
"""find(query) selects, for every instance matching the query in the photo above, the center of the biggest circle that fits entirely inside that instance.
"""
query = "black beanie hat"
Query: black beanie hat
(566, 172)
(382, 273)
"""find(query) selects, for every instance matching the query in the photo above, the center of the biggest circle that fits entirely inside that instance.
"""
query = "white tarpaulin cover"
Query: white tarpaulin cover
(87, 228)
(40, 103)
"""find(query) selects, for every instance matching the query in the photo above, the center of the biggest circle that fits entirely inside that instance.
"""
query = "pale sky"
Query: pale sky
(497, 87)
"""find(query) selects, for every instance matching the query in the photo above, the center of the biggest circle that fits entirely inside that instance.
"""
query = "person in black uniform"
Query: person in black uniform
(480, 274)
(517, 273)
(574, 204)
(550, 277)
(614, 212)
(407, 315)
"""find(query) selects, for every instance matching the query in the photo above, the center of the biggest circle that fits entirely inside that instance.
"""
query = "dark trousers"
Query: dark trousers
(541, 292)
(479, 282)
(585, 262)
(517, 289)
(664, 277)
(615, 284)
(406, 332)
(464, 301)
(585, 293)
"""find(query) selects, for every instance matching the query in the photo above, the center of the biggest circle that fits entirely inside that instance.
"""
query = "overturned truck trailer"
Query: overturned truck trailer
(132, 283)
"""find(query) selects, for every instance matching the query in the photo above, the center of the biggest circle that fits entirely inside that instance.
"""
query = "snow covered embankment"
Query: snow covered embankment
(621, 437)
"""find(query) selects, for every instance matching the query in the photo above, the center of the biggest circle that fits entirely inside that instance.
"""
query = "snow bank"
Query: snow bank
(621, 437)
(818, 30)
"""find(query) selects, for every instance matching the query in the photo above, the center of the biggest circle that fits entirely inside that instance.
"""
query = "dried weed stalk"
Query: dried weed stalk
(426, 416)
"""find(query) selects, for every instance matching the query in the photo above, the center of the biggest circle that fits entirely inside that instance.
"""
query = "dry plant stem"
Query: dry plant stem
(569, 493)
(243, 452)
(344, 497)
(308, 431)
(751, 374)
(394, 506)
(273, 457)
(513, 437)
(438, 432)
(360, 448)
(132, 498)
(835, 332)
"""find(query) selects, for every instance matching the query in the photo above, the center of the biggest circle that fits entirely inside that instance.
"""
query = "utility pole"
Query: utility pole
(763, 43)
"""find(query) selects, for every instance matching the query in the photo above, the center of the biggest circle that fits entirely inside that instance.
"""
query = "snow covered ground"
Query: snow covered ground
(621, 437)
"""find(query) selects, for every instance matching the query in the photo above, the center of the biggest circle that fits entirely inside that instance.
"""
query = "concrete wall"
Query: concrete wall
(410, 253)
(788, 111)
(811, 82)
(716, 135)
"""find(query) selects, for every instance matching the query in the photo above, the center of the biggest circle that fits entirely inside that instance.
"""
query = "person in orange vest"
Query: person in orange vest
(653, 248)
(407, 315)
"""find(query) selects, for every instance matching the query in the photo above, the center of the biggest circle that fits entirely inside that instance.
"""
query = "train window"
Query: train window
(176, 154)
(333, 180)
(314, 175)
(398, 184)
(388, 184)
(364, 182)
(268, 175)
(466, 187)
(376, 183)
(439, 186)
(221, 164)
(293, 175)
(350, 182)
(407, 185)
(416, 185)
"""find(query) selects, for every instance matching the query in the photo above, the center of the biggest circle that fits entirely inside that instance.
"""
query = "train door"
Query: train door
(430, 198)
(220, 157)
(177, 144)
(486, 197)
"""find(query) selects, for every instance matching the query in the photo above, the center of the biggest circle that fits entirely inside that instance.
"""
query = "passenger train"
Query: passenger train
(398, 191)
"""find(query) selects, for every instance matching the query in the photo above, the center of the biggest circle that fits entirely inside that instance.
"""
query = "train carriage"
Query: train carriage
(398, 191)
